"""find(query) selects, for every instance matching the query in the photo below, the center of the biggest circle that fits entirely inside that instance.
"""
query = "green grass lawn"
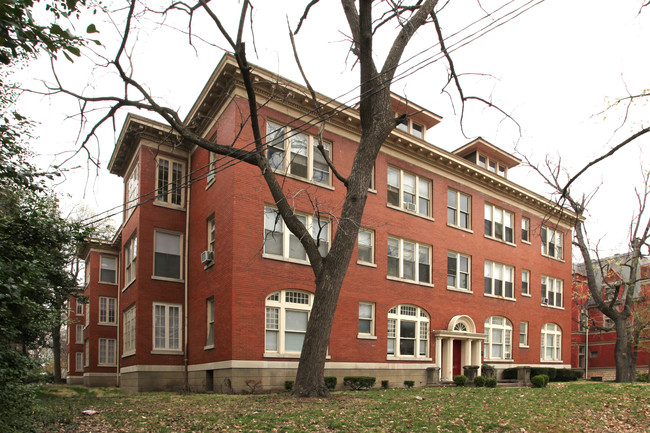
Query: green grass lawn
(561, 407)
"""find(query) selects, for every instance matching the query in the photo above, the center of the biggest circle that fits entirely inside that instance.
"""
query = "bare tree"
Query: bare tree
(377, 121)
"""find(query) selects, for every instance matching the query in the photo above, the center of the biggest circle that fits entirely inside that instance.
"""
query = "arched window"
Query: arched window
(551, 347)
(460, 326)
(499, 342)
(287, 313)
(408, 332)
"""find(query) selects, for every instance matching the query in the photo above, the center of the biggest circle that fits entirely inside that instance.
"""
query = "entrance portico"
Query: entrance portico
(457, 346)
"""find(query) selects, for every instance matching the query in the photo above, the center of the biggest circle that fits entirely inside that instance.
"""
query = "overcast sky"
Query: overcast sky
(554, 69)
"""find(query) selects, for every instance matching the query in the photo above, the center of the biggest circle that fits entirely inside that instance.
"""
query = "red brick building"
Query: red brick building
(456, 265)
(593, 339)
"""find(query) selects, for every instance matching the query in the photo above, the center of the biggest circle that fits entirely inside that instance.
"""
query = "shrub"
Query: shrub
(460, 380)
(510, 374)
(409, 383)
(384, 384)
(550, 372)
(490, 382)
(488, 371)
(359, 382)
(642, 377)
(567, 374)
(330, 382)
(288, 385)
(539, 381)
(479, 381)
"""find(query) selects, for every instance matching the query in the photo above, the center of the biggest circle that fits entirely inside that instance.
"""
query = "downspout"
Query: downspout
(186, 312)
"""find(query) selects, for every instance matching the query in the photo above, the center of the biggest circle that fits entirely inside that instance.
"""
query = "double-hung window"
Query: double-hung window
(409, 192)
(167, 255)
(108, 269)
(551, 347)
(169, 181)
(211, 237)
(167, 327)
(209, 320)
(129, 331)
(525, 229)
(552, 242)
(79, 334)
(79, 361)
(459, 209)
(132, 191)
(80, 307)
(458, 266)
(499, 280)
(408, 332)
(297, 153)
(413, 128)
(366, 319)
(130, 253)
(498, 345)
(107, 307)
(365, 246)
(106, 351)
(523, 334)
(491, 165)
(552, 292)
(212, 168)
(499, 223)
(287, 314)
(409, 260)
(525, 282)
(281, 243)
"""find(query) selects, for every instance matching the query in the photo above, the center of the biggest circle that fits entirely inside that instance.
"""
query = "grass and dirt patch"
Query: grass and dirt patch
(561, 407)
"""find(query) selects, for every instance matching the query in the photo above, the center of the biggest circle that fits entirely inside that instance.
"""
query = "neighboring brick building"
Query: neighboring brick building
(592, 346)
(456, 265)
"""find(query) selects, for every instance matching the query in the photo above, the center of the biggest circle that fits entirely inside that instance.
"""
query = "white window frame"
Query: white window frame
(171, 342)
(422, 197)
(397, 247)
(87, 315)
(156, 252)
(86, 353)
(551, 333)
(130, 260)
(458, 257)
(455, 211)
(129, 335)
(171, 192)
(525, 282)
(211, 232)
(525, 230)
(409, 126)
(396, 341)
(107, 352)
(505, 343)
(209, 321)
(107, 311)
(495, 216)
(494, 270)
(482, 160)
(79, 361)
(552, 243)
(280, 146)
(320, 228)
(523, 333)
(79, 308)
(366, 242)
(212, 168)
(79, 334)
(132, 192)
(367, 316)
(551, 288)
(103, 265)
(278, 306)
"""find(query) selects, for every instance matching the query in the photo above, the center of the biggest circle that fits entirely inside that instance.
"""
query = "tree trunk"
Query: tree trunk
(56, 349)
(624, 356)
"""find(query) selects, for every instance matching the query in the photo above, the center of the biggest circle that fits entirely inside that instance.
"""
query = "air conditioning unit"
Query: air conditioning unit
(409, 206)
(508, 355)
(207, 257)
(545, 301)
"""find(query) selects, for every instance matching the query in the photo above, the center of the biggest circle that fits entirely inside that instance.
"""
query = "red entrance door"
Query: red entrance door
(456, 361)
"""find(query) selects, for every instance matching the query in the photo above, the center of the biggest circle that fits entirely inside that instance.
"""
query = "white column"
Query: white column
(446, 370)
(438, 354)
(476, 353)
(465, 354)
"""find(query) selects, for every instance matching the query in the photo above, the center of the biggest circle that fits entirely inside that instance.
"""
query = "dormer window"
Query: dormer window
(490, 165)
(413, 128)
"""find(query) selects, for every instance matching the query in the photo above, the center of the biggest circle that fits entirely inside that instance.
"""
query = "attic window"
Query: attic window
(490, 165)
(415, 129)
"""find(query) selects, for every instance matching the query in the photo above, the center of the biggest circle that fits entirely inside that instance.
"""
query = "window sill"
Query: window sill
(107, 324)
(303, 179)
(552, 258)
(527, 295)
(419, 215)
(406, 358)
(526, 242)
(107, 283)
(169, 206)
(556, 361)
(456, 289)
(501, 241)
(126, 355)
(487, 295)
(128, 285)
(372, 190)
(524, 347)
(208, 347)
(208, 266)
(552, 306)
(285, 259)
(166, 352)
(173, 280)
(209, 183)
(370, 265)
(286, 355)
(402, 280)
(463, 229)
(106, 365)
(366, 337)
(502, 361)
